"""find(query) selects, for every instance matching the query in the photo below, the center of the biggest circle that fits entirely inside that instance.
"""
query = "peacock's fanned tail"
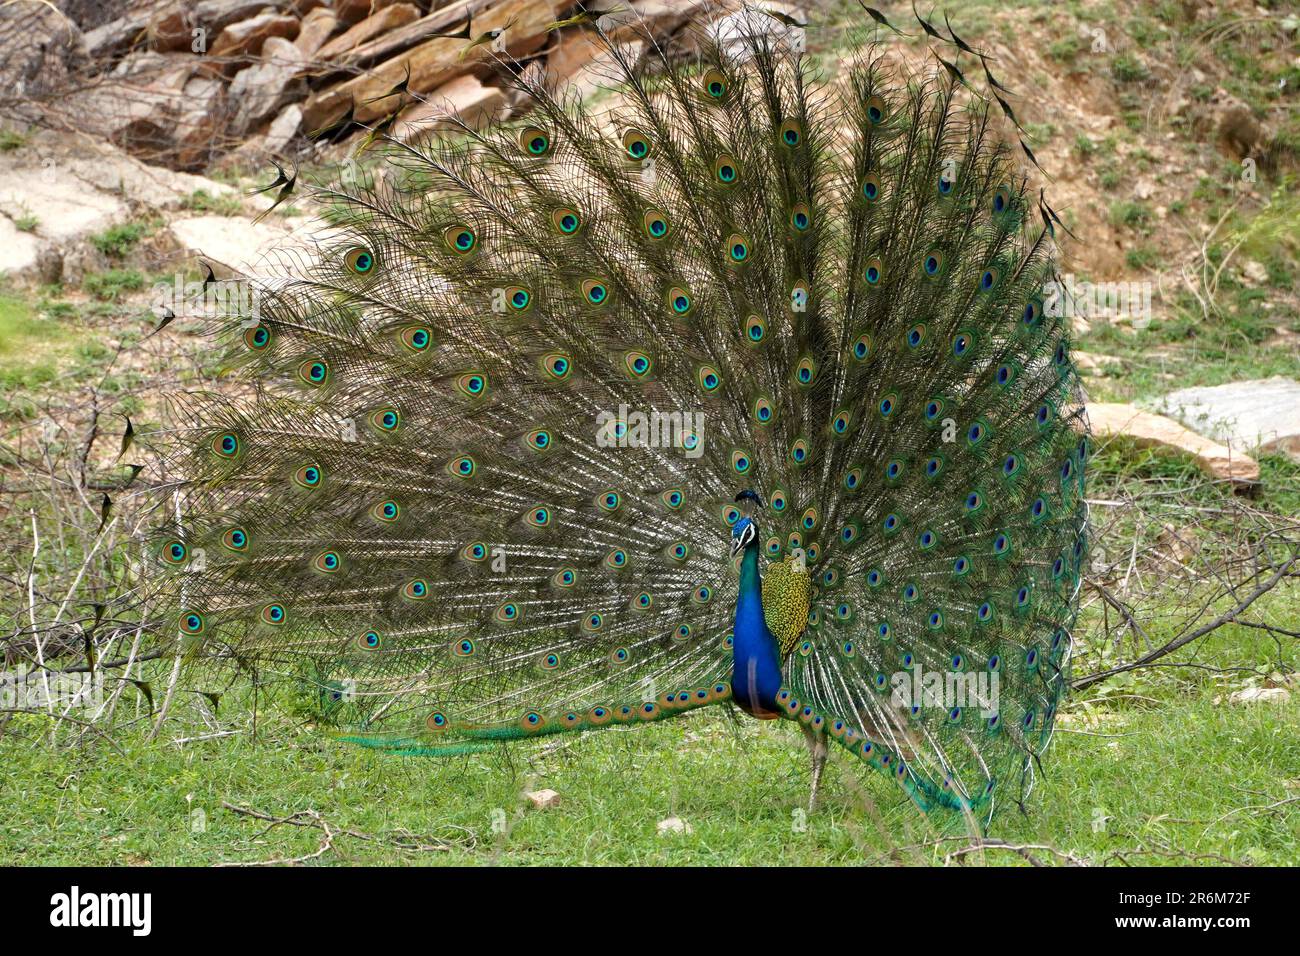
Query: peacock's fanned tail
(482, 485)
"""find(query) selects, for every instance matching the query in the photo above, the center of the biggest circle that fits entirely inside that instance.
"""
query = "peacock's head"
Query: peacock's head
(745, 531)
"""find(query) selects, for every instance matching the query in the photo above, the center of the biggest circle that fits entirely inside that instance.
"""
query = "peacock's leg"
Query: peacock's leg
(817, 750)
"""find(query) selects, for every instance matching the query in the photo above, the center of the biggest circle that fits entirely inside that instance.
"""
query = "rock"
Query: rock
(19, 251)
(49, 266)
(1253, 273)
(389, 18)
(1147, 429)
(137, 108)
(542, 799)
(199, 122)
(737, 31)
(1260, 695)
(434, 61)
(39, 49)
(65, 208)
(233, 241)
(1174, 545)
(352, 11)
(660, 17)
(316, 29)
(159, 106)
(244, 39)
(673, 825)
(283, 129)
(174, 30)
(254, 151)
(80, 260)
(584, 65)
(465, 95)
(1094, 364)
(1258, 413)
(115, 35)
(77, 186)
(258, 91)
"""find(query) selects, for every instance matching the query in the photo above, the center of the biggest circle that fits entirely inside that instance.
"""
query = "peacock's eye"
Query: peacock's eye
(636, 144)
(359, 260)
(460, 239)
(257, 338)
(714, 84)
(534, 141)
(566, 220)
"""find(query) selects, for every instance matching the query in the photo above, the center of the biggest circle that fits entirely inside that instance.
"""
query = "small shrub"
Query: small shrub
(1065, 49)
(1126, 68)
(116, 241)
(1127, 213)
(109, 286)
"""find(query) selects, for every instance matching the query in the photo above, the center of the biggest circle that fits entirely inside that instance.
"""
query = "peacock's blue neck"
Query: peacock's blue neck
(756, 678)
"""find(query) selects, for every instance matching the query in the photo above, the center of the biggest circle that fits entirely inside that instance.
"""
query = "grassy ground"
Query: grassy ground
(29, 346)
(1164, 773)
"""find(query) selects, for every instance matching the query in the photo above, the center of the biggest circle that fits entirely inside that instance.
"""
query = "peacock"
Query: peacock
(745, 391)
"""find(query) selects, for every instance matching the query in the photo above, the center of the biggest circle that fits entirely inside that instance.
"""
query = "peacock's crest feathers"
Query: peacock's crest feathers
(485, 483)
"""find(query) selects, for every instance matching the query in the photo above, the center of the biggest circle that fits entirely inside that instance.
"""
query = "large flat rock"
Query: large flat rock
(233, 241)
(1257, 414)
(18, 249)
(1109, 420)
(76, 187)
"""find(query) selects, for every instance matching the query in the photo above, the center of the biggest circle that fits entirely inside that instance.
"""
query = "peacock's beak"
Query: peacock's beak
(735, 547)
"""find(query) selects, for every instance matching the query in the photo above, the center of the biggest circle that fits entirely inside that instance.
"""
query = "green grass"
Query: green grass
(113, 284)
(116, 242)
(29, 348)
(1166, 777)
(202, 201)
(11, 140)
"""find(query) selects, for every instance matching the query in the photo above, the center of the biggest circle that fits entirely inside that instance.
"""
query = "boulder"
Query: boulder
(63, 205)
(584, 65)
(260, 90)
(465, 96)
(199, 122)
(76, 187)
(389, 18)
(353, 11)
(316, 29)
(39, 49)
(232, 241)
(175, 30)
(434, 61)
(1259, 413)
(20, 251)
(243, 40)
(283, 129)
(1109, 420)
(138, 106)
